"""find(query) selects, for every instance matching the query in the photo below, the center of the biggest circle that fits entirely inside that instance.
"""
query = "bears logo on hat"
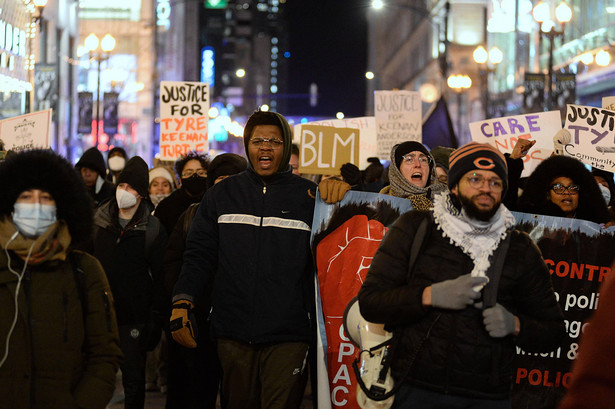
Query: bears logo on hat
(476, 156)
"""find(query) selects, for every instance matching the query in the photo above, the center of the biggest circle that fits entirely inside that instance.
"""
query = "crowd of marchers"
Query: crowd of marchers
(197, 279)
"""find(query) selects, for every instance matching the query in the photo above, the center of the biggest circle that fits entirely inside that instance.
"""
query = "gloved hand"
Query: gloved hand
(351, 174)
(456, 294)
(498, 321)
(333, 190)
(182, 328)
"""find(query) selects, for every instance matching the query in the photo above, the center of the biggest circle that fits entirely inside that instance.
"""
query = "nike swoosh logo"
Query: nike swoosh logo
(285, 211)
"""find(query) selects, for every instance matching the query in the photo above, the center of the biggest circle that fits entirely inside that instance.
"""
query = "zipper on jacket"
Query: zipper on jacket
(264, 189)
(65, 316)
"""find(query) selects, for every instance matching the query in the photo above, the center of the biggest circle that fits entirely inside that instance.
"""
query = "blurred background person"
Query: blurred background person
(116, 160)
(92, 168)
(160, 184)
(61, 346)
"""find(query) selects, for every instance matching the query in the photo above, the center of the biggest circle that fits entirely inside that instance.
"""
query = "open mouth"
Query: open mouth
(265, 161)
(416, 177)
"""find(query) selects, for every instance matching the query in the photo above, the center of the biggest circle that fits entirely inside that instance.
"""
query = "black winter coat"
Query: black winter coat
(169, 210)
(134, 272)
(459, 357)
(254, 238)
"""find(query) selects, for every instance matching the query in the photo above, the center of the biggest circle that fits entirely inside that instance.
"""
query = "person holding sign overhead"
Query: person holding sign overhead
(251, 236)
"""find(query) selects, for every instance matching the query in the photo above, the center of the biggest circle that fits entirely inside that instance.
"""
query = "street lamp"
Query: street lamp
(459, 83)
(542, 15)
(107, 44)
(487, 62)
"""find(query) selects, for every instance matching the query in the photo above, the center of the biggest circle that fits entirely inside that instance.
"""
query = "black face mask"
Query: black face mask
(195, 185)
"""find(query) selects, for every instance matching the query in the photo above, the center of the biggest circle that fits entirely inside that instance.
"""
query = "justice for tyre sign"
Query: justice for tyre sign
(184, 108)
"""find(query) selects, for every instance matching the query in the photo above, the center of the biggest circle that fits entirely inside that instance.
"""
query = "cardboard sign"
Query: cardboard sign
(324, 149)
(504, 132)
(366, 126)
(592, 133)
(608, 103)
(398, 117)
(29, 131)
(184, 117)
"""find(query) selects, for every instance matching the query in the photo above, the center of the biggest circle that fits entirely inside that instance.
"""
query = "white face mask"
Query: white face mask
(124, 199)
(116, 163)
(33, 219)
(606, 193)
(157, 198)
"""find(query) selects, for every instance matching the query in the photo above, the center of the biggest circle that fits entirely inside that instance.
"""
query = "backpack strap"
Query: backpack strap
(490, 293)
(417, 243)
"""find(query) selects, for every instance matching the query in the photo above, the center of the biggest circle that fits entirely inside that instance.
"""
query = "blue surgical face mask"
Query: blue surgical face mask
(606, 193)
(33, 219)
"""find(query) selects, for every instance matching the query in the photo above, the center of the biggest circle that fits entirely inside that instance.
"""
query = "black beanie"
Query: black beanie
(224, 165)
(136, 174)
(93, 159)
(441, 155)
(117, 149)
(407, 147)
(476, 156)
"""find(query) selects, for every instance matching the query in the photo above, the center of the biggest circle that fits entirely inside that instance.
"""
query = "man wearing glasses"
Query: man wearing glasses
(478, 288)
(251, 236)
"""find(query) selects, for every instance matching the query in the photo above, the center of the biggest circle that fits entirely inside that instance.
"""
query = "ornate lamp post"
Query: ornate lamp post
(487, 62)
(459, 83)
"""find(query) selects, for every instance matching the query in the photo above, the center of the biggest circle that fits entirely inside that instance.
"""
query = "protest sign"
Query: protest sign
(344, 241)
(324, 149)
(578, 254)
(366, 126)
(27, 131)
(398, 117)
(504, 132)
(608, 103)
(592, 136)
(184, 117)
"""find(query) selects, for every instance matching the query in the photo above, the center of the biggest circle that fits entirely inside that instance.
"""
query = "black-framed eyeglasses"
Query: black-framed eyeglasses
(189, 172)
(477, 181)
(411, 157)
(274, 143)
(561, 189)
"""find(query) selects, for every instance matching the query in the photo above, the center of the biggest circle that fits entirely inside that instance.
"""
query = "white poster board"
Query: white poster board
(367, 135)
(184, 118)
(504, 132)
(27, 131)
(608, 103)
(592, 132)
(398, 117)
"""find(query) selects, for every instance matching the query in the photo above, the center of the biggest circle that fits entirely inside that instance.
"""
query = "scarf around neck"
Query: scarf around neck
(477, 239)
(51, 245)
(401, 187)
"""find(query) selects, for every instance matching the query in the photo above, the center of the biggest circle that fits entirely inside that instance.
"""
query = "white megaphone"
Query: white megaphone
(373, 373)
(561, 139)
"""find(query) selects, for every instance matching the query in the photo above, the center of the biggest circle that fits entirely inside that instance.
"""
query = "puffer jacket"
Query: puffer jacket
(458, 357)
(55, 359)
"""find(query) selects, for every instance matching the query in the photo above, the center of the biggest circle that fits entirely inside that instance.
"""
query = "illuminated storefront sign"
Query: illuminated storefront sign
(207, 65)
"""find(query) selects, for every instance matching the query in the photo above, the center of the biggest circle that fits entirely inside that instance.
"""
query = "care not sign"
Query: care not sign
(184, 108)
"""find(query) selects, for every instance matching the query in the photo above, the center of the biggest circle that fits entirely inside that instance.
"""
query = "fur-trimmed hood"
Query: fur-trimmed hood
(43, 169)
(534, 198)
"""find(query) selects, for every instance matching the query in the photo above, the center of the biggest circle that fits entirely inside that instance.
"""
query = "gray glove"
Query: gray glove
(498, 321)
(456, 294)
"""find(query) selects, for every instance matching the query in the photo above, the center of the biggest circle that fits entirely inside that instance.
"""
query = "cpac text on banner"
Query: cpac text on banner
(184, 117)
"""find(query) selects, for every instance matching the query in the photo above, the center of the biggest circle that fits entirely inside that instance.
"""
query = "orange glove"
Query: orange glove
(333, 190)
(182, 330)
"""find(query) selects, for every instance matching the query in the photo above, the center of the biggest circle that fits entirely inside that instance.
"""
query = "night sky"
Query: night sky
(328, 46)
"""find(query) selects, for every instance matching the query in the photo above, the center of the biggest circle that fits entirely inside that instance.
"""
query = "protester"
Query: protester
(92, 168)
(130, 243)
(192, 169)
(593, 379)
(116, 160)
(59, 333)
(459, 312)
(441, 155)
(412, 175)
(251, 235)
(160, 184)
(294, 159)
(607, 187)
(372, 176)
(562, 186)
(194, 374)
